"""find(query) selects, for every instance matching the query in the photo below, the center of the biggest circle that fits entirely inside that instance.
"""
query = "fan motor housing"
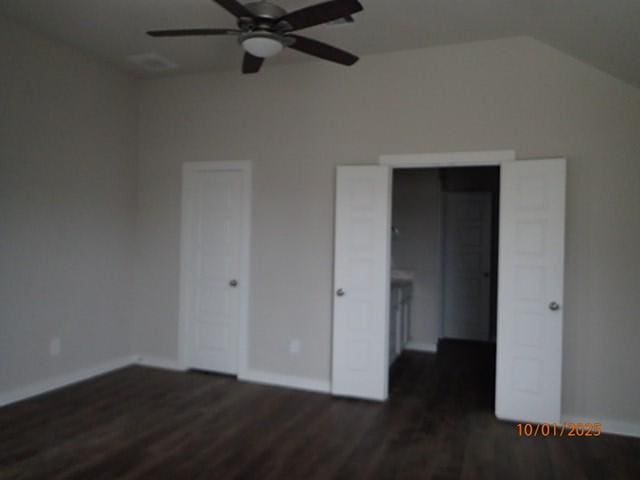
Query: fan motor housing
(266, 10)
(264, 18)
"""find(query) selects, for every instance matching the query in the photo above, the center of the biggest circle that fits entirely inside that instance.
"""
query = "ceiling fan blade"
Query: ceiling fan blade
(192, 31)
(251, 64)
(322, 50)
(321, 13)
(234, 7)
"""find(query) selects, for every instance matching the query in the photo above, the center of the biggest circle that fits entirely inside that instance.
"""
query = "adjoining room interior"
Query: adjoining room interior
(206, 270)
(444, 270)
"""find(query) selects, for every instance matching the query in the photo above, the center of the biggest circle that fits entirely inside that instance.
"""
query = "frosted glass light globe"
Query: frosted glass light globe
(263, 47)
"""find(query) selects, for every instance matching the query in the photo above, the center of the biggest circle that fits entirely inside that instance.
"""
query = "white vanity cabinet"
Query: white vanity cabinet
(399, 316)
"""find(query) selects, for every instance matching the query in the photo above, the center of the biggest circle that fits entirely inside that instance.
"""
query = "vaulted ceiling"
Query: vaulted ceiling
(605, 33)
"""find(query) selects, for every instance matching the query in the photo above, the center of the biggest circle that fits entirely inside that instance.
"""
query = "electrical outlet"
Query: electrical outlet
(294, 346)
(55, 347)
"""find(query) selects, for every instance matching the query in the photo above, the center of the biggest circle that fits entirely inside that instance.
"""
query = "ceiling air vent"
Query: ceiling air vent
(152, 62)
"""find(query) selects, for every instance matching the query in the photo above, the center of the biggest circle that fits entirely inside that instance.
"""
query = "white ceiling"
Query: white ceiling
(605, 33)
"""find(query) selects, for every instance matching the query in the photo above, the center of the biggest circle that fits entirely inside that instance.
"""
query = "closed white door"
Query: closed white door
(530, 291)
(467, 265)
(361, 282)
(214, 265)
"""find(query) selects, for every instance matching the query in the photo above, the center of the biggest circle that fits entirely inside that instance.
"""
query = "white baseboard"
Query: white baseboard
(289, 381)
(53, 383)
(421, 346)
(60, 381)
(158, 362)
(616, 427)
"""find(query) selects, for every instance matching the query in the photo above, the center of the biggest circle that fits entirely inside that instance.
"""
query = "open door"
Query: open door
(530, 291)
(361, 282)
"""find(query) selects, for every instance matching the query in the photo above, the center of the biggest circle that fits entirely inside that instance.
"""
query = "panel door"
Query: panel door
(361, 282)
(467, 265)
(530, 291)
(213, 267)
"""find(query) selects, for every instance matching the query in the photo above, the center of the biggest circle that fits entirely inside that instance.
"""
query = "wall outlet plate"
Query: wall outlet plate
(294, 346)
(55, 347)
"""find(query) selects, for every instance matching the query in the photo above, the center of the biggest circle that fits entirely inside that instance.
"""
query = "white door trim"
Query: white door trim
(451, 159)
(447, 159)
(243, 328)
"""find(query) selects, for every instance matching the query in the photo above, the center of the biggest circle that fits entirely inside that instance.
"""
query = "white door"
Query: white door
(530, 291)
(361, 282)
(467, 265)
(214, 266)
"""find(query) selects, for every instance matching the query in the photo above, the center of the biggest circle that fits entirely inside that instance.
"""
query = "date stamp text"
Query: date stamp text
(565, 429)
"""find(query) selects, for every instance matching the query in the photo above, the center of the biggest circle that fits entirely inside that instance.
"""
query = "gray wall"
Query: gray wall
(296, 123)
(67, 205)
(417, 212)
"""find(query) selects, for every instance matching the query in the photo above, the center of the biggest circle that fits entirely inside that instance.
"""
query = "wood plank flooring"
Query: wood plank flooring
(148, 423)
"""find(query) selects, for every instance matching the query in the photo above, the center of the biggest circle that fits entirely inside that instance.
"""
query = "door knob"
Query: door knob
(340, 292)
(554, 306)
(233, 283)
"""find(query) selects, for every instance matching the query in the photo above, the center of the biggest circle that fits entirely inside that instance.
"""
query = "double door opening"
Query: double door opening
(529, 281)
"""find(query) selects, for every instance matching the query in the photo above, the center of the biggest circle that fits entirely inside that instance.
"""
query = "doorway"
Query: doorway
(530, 290)
(444, 264)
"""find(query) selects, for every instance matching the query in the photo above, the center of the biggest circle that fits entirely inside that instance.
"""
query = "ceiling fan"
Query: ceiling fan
(265, 29)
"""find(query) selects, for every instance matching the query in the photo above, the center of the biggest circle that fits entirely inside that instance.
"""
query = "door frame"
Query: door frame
(451, 159)
(189, 168)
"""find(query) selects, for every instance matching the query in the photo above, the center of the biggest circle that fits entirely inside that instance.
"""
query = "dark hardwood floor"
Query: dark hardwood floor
(148, 423)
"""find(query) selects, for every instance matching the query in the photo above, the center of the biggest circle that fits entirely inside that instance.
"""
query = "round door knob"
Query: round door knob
(233, 283)
(554, 306)
(340, 292)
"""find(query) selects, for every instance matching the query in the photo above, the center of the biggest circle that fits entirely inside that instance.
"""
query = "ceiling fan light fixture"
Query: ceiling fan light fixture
(262, 45)
(264, 29)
